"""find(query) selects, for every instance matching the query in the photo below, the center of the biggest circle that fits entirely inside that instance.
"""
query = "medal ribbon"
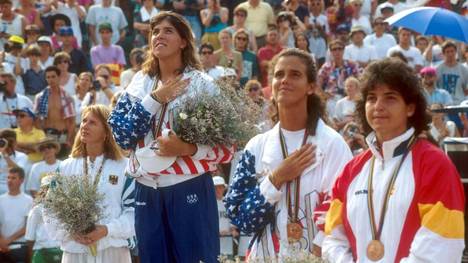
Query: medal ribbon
(377, 232)
(98, 175)
(284, 149)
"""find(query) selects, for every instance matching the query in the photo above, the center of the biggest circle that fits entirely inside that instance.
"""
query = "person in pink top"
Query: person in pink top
(107, 53)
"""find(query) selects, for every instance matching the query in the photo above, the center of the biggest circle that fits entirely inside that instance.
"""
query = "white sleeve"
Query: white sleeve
(53, 228)
(31, 224)
(123, 226)
(336, 248)
(33, 182)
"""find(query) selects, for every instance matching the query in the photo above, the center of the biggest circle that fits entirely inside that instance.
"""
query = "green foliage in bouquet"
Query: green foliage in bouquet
(74, 202)
(225, 118)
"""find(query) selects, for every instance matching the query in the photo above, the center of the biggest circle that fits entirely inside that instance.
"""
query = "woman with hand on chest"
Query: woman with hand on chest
(284, 175)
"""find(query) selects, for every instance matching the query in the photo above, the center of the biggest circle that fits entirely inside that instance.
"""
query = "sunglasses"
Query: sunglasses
(45, 147)
(336, 49)
(207, 52)
(21, 115)
(241, 38)
(254, 89)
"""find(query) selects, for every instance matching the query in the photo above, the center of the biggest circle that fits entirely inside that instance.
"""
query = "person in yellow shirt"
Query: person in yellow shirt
(27, 135)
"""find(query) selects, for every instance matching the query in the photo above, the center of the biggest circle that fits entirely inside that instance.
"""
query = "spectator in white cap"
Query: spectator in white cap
(41, 248)
(397, 7)
(380, 40)
(358, 52)
(226, 230)
(10, 100)
(46, 59)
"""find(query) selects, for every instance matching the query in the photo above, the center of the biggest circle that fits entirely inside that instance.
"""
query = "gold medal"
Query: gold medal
(294, 232)
(375, 250)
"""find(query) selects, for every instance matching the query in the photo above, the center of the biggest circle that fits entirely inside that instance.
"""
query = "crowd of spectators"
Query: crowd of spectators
(60, 56)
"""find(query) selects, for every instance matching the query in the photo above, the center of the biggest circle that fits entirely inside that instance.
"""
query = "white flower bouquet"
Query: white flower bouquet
(225, 118)
(75, 203)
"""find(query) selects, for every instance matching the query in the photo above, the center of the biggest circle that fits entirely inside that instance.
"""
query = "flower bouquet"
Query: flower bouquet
(75, 203)
(225, 118)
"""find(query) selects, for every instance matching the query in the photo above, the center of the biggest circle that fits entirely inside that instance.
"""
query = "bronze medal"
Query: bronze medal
(113, 179)
(294, 232)
(375, 250)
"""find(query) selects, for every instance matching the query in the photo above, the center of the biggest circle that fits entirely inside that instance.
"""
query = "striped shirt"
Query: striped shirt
(136, 112)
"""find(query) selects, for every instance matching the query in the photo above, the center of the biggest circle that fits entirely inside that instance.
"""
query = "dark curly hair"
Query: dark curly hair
(315, 106)
(189, 54)
(400, 78)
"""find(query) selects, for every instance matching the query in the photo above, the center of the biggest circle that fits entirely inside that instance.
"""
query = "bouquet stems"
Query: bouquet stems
(93, 249)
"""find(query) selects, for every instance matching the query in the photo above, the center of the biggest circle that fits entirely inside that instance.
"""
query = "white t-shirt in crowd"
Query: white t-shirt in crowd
(449, 125)
(13, 213)
(35, 230)
(21, 160)
(364, 22)
(71, 12)
(8, 105)
(396, 8)
(356, 54)
(98, 14)
(321, 20)
(344, 107)
(38, 171)
(412, 54)
(381, 44)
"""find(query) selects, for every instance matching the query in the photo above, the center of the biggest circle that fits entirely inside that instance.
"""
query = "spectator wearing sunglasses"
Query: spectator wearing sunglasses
(249, 59)
(207, 59)
(68, 80)
(27, 135)
(381, 41)
(106, 52)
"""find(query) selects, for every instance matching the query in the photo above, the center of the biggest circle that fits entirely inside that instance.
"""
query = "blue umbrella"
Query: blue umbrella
(432, 21)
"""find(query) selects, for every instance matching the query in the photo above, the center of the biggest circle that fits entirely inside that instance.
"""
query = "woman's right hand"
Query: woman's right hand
(171, 89)
(293, 166)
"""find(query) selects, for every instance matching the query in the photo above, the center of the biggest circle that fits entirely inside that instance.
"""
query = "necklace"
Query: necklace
(375, 248)
(294, 228)
(98, 174)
